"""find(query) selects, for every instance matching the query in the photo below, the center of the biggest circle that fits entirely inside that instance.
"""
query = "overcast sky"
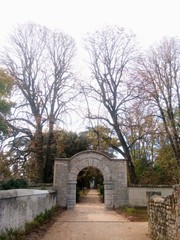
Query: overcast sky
(149, 19)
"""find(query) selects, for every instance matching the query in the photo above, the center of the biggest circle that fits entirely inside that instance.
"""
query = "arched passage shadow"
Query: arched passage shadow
(90, 162)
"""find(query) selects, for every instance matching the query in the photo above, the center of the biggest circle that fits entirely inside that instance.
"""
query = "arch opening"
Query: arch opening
(94, 163)
(89, 178)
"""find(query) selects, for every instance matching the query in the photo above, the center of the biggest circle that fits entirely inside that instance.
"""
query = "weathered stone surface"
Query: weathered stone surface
(164, 216)
(60, 183)
(22, 205)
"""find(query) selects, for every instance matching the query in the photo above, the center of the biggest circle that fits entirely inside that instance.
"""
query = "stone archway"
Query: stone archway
(114, 173)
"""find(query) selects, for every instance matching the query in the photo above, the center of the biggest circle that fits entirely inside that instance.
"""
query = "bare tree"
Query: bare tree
(141, 132)
(40, 61)
(61, 91)
(112, 52)
(159, 75)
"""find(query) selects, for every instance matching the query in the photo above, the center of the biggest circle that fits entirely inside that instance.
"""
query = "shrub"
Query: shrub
(30, 226)
(101, 189)
(129, 210)
(138, 214)
(77, 194)
(11, 234)
(17, 234)
(14, 184)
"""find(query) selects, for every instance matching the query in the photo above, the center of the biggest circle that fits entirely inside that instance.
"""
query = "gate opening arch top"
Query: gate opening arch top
(85, 159)
(114, 173)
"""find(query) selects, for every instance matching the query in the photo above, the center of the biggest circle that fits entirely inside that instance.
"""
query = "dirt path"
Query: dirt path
(90, 221)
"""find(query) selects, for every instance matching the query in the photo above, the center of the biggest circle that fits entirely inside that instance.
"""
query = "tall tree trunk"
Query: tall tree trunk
(39, 155)
(126, 154)
(49, 160)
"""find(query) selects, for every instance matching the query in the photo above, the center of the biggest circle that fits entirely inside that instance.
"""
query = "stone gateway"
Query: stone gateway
(114, 172)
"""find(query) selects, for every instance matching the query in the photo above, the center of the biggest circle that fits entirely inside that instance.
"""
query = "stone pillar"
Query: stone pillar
(61, 181)
(108, 194)
(71, 197)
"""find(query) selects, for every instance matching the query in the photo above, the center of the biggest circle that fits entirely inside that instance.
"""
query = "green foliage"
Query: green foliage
(40, 219)
(63, 144)
(136, 214)
(141, 168)
(156, 175)
(48, 214)
(77, 194)
(66, 144)
(129, 211)
(166, 165)
(14, 184)
(88, 175)
(101, 138)
(11, 234)
(163, 171)
(30, 226)
(4, 167)
(101, 191)
(17, 234)
(5, 106)
(6, 83)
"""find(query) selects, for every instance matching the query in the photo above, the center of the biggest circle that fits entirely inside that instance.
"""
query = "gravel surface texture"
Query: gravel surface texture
(91, 221)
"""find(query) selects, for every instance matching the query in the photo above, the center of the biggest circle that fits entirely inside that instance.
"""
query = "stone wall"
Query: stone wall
(138, 194)
(164, 216)
(22, 205)
(114, 171)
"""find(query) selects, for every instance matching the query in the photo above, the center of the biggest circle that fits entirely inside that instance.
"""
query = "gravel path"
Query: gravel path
(90, 221)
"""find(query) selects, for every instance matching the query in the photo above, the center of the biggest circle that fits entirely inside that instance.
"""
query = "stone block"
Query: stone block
(75, 170)
(85, 163)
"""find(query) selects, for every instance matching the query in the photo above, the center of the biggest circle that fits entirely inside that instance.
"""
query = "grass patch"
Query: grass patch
(135, 214)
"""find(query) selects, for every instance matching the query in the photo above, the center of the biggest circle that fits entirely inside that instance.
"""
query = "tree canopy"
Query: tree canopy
(6, 83)
(159, 72)
(131, 99)
(112, 52)
(40, 61)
